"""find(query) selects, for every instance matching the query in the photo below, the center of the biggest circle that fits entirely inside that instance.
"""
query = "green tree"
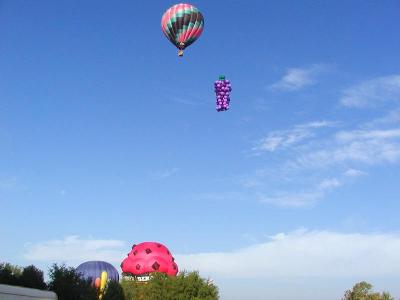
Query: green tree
(363, 291)
(114, 291)
(10, 274)
(386, 296)
(132, 289)
(68, 285)
(32, 277)
(185, 286)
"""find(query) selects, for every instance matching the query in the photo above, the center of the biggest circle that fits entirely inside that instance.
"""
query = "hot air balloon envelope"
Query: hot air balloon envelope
(149, 257)
(92, 269)
(182, 24)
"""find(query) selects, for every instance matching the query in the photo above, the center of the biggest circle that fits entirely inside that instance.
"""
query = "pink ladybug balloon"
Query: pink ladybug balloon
(149, 257)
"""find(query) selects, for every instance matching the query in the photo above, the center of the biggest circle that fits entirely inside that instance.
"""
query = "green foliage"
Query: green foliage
(386, 296)
(185, 286)
(114, 291)
(10, 274)
(363, 291)
(32, 277)
(68, 285)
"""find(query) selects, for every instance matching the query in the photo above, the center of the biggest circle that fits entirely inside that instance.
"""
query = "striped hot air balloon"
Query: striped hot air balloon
(182, 24)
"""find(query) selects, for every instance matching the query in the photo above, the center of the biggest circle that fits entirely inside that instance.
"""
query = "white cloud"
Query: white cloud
(297, 78)
(348, 136)
(294, 254)
(372, 92)
(329, 184)
(285, 138)
(354, 173)
(369, 147)
(294, 200)
(302, 198)
(74, 250)
(340, 154)
(302, 253)
(391, 118)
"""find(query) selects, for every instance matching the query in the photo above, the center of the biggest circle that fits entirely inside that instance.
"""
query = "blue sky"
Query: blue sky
(107, 138)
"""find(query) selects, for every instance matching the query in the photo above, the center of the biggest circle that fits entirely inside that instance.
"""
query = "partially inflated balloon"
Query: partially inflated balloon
(92, 270)
(182, 24)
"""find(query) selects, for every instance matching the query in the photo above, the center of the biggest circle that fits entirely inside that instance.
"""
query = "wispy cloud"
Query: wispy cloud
(347, 136)
(285, 138)
(322, 150)
(297, 78)
(372, 92)
(390, 118)
(368, 147)
(310, 155)
(186, 97)
(74, 250)
(185, 100)
(295, 254)
(219, 196)
(302, 198)
(163, 174)
(304, 253)
(354, 173)
(8, 183)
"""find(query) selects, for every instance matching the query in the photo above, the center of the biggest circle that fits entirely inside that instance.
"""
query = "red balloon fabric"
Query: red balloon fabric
(149, 257)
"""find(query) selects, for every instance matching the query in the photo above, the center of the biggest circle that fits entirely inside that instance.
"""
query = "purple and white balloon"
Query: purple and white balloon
(222, 89)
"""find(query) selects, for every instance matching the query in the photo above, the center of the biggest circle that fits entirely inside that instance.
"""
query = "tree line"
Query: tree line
(69, 285)
(363, 291)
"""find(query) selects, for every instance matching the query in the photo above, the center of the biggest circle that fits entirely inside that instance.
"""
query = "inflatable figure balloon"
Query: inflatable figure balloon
(182, 24)
(222, 88)
(149, 257)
